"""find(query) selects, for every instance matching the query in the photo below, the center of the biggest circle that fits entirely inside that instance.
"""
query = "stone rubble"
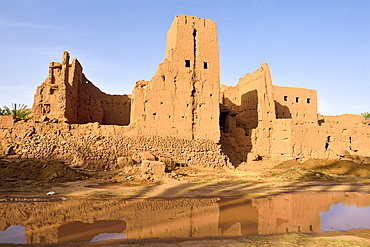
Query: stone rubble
(104, 147)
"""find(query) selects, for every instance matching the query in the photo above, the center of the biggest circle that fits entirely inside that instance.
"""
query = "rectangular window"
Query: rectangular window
(187, 63)
(285, 98)
(296, 99)
(205, 65)
(308, 100)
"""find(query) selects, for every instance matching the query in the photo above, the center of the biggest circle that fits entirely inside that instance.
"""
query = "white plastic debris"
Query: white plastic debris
(50, 193)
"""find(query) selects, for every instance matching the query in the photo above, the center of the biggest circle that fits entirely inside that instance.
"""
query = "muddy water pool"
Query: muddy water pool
(41, 220)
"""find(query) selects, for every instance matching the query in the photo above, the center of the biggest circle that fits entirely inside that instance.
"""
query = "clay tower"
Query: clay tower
(182, 98)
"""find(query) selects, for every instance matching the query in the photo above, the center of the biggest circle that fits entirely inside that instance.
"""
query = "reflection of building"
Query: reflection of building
(257, 119)
(174, 218)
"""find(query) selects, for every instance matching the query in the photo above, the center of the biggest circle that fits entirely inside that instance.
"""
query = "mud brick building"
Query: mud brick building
(252, 121)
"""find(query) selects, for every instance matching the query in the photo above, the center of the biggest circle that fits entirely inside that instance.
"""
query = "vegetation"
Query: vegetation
(19, 110)
(366, 115)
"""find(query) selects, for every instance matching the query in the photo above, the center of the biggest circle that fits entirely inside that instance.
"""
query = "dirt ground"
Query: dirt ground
(36, 178)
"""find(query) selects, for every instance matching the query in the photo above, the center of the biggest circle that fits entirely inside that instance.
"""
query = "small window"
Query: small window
(187, 63)
(285, 98)
(308, 100)
(52, 90)
(205, 65)
(297, 99)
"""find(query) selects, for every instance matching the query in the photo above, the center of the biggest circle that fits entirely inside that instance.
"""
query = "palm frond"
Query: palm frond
(366, 115)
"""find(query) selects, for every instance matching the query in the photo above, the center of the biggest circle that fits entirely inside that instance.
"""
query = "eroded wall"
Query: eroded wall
(299, 104)
(254, 103)
(281, 123)
(182, 98)
(67, 96)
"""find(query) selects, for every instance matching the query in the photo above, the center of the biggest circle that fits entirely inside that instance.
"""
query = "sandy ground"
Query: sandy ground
(247, 181)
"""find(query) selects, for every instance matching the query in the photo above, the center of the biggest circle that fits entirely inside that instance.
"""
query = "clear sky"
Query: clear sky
(322, 45)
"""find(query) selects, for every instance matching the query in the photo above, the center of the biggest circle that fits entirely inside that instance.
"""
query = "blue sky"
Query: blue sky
(322, 45)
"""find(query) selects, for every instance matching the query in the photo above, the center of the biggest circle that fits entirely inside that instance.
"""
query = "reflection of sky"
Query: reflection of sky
(344, 217)
(108, 236)
(13, 234)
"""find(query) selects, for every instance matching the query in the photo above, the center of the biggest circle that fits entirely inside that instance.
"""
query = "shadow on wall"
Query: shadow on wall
(282, 111)
(236, 141)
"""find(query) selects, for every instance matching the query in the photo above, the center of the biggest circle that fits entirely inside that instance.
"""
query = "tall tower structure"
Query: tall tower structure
(182, 98)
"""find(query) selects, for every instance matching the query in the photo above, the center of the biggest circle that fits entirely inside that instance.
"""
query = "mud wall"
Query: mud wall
(281, 123)
(96, 146)
(67, 96)
(182, 98)
(299, 104)
(255, 113)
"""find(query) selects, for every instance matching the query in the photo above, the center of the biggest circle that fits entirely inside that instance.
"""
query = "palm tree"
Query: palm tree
(19, 111)
(366, 115)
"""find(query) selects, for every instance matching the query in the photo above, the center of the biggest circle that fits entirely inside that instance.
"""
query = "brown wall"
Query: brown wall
(299, 104)
(181, 99)
(68, 96)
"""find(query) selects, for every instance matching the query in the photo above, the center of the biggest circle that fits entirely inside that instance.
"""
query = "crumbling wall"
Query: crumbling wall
(299, 104)
(254, 104)
(67, 96)
(96, 146)
(182, 98)
(282, 123)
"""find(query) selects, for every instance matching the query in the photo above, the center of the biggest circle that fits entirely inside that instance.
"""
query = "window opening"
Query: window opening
(193, 25)
(52, 90)
(205, 65)
(296, 99)
(285, 98)
(187, 63)
(308, 100)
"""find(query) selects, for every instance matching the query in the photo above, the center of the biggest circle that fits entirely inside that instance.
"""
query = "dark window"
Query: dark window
(205, 65)
(187, 63)
(297, 99)
(308, 100)
(285, 98)
(52, 90)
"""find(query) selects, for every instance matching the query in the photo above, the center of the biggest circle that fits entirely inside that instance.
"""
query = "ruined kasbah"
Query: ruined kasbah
(181, 115)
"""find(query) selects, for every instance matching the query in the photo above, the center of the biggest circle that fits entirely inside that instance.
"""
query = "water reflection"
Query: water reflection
(345, 217)
(13, 235)
(79, 231)
(96, 220)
